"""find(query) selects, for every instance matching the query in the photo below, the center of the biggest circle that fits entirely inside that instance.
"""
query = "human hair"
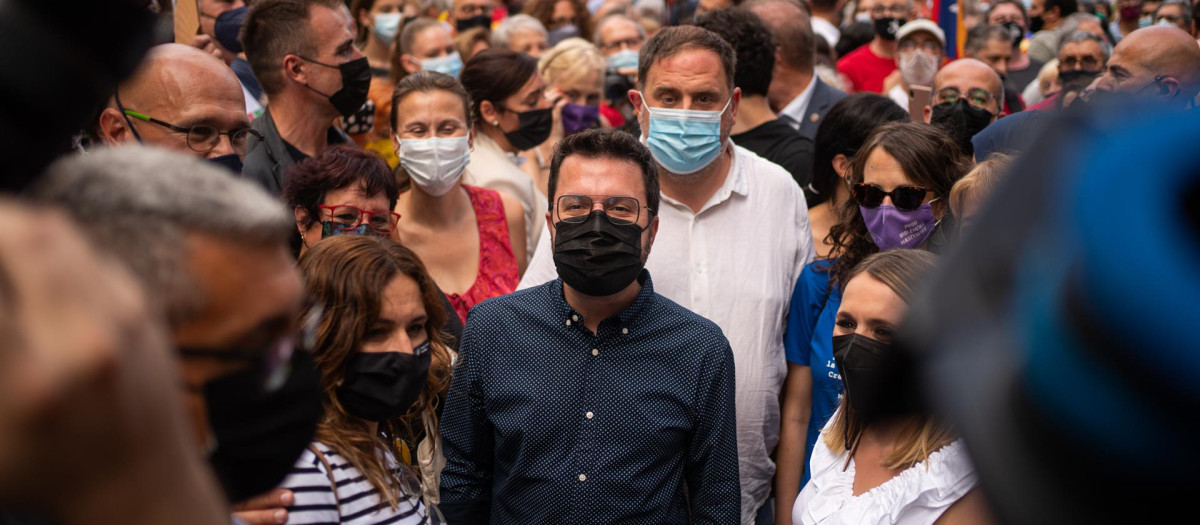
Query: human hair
(929, 158)
(1076, 37)
(824, 5)
(1185, 10)
(607, 143)
(274, 29)
(980, 35)
(363, 32)
(494, 75)
(404, 44)
(571, 59)
(752, 43)
(465, 41)
(347, 276)
(675, 39)
(514, 25)
(338, 167)
(140, 204)
(543, 10)
(843, 130)
(902, 271)
(426, 81)
(1071, 23)
(1020, 6)
(612, 17)
(978, 183)
(1065, 7)
(793, 35)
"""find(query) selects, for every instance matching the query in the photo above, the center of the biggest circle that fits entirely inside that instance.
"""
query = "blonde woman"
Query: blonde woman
(574, 74)
(969, 194)
(871, 465)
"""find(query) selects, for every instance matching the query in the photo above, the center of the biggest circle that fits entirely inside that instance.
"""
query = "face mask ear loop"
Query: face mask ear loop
(128, 123)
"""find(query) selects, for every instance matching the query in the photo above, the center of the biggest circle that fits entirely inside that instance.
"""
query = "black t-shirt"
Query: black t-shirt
(1017, 80)
(777, 142)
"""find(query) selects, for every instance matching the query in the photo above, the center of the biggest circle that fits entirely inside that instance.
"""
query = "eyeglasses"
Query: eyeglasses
(928, 46)
(1174, 19)
(898, 10)
(272, 362)
(906, 198)
(977, 97)
(203, 137)
(345, 217)
(474, 10)
(631, 43)
(619, 210)
(1087, 63)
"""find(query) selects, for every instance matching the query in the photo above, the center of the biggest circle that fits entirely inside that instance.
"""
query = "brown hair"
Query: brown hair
(929, 158)
(494, 75)
(978, 184)
(672, 40)
(347, 275)
(404, 44)
(275, 29)
(310, 180)
(902, 271)
(543, 10)
(465, 41)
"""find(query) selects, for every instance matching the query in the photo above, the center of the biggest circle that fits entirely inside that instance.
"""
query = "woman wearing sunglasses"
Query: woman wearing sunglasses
(899, 182)
(383, 366)
(882, 458)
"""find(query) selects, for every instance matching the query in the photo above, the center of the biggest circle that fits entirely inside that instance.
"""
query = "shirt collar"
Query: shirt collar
(628, 318)
(796, 109)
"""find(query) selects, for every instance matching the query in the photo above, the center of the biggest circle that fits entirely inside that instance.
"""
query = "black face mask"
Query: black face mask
(533, 128)
(383, 385)
(356, 82)
(1016, 32)
(596, 257)
(962, 121)
(1076, 80)
(259, 434)
(227, 27)
(887, 27)
(1036, 24)
(466, 24)
(231, 163)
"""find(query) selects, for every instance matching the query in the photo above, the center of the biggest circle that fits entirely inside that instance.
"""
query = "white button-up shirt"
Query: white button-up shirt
(734, 263)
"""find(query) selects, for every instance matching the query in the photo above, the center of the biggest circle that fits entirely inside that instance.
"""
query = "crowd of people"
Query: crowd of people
(544, 261)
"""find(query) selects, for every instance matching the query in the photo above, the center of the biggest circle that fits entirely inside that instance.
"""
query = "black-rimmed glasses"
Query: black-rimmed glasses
(618, 209)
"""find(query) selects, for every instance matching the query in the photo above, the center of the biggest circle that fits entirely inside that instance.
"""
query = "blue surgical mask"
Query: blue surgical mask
(450, 64)
(387, 25)
(623, 59)
(684, 141)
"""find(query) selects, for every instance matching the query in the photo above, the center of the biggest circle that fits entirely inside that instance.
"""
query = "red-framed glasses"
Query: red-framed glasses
(346, 217)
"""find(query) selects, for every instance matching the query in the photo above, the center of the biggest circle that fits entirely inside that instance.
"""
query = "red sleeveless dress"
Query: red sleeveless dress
(497, 265)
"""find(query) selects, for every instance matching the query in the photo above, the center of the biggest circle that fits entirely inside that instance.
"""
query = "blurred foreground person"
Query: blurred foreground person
(882, 458)
(383, 366)
(591, 397)
(85, 361)
(212, 253)
(161, 106)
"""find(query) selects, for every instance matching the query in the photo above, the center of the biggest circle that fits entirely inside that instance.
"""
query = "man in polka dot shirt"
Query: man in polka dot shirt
(592, 399)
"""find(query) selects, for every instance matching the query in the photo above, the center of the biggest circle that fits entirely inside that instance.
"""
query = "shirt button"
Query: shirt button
(595, 351)
(583, 477)
(590, 415)
(624, 330)
(574, 317)
(568, 322)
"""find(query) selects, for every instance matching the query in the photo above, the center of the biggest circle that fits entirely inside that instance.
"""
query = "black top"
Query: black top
(777, 142)
(270, 157)
(1018, 79)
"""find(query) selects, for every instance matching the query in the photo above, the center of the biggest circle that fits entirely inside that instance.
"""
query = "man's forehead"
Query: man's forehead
(330, 24)
(601, 175)
(1087, 47)
(618, 26)
(690, 66)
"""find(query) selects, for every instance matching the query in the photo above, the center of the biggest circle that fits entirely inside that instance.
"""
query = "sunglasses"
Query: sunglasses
(906, 198)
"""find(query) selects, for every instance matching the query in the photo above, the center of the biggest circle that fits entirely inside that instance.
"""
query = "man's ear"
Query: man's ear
(293, 69)
(1168, 87)
(113, 129)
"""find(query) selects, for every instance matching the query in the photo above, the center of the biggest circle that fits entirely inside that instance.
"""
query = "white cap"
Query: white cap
(921, 24)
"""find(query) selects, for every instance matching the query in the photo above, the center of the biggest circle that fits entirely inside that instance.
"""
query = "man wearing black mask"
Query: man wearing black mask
(1082, 57)
(867, 67)
(303, 53)
(211, 252)
(591, 397)
(180, 99)
(967, 95)
(469, 14)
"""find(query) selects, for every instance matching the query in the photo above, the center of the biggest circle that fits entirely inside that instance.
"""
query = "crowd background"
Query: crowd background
(300, 262)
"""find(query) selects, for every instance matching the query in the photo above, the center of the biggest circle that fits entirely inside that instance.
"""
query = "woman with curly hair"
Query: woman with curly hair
(899, 183)
(384, 368)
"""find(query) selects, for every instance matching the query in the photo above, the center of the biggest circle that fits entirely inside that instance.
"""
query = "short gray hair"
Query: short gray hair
(513, 25)
(1076, 37)
(608, 19)
(140, 204)
(1072, 22)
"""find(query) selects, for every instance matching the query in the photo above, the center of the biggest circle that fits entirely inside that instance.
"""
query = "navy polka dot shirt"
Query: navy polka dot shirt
(547, 422)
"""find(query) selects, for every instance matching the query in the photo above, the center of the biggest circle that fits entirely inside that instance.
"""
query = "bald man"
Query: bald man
(183, 99)
(967, 96)
(1158, 61)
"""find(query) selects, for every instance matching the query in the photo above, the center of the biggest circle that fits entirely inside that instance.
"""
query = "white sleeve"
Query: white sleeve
(541, 268)
(804, 244)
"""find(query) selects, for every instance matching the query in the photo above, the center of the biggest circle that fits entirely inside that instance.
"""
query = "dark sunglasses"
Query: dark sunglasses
(906, 198)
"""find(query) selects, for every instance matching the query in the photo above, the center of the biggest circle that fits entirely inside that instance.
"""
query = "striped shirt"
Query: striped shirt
(356, 503)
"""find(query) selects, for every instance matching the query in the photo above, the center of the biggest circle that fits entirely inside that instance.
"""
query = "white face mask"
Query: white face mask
(435, 164)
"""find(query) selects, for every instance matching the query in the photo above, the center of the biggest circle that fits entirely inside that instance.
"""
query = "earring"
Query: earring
(496, 123)
(302, 239)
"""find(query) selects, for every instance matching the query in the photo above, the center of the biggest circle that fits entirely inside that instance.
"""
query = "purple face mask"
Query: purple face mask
(894, 228)
(577, 118)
